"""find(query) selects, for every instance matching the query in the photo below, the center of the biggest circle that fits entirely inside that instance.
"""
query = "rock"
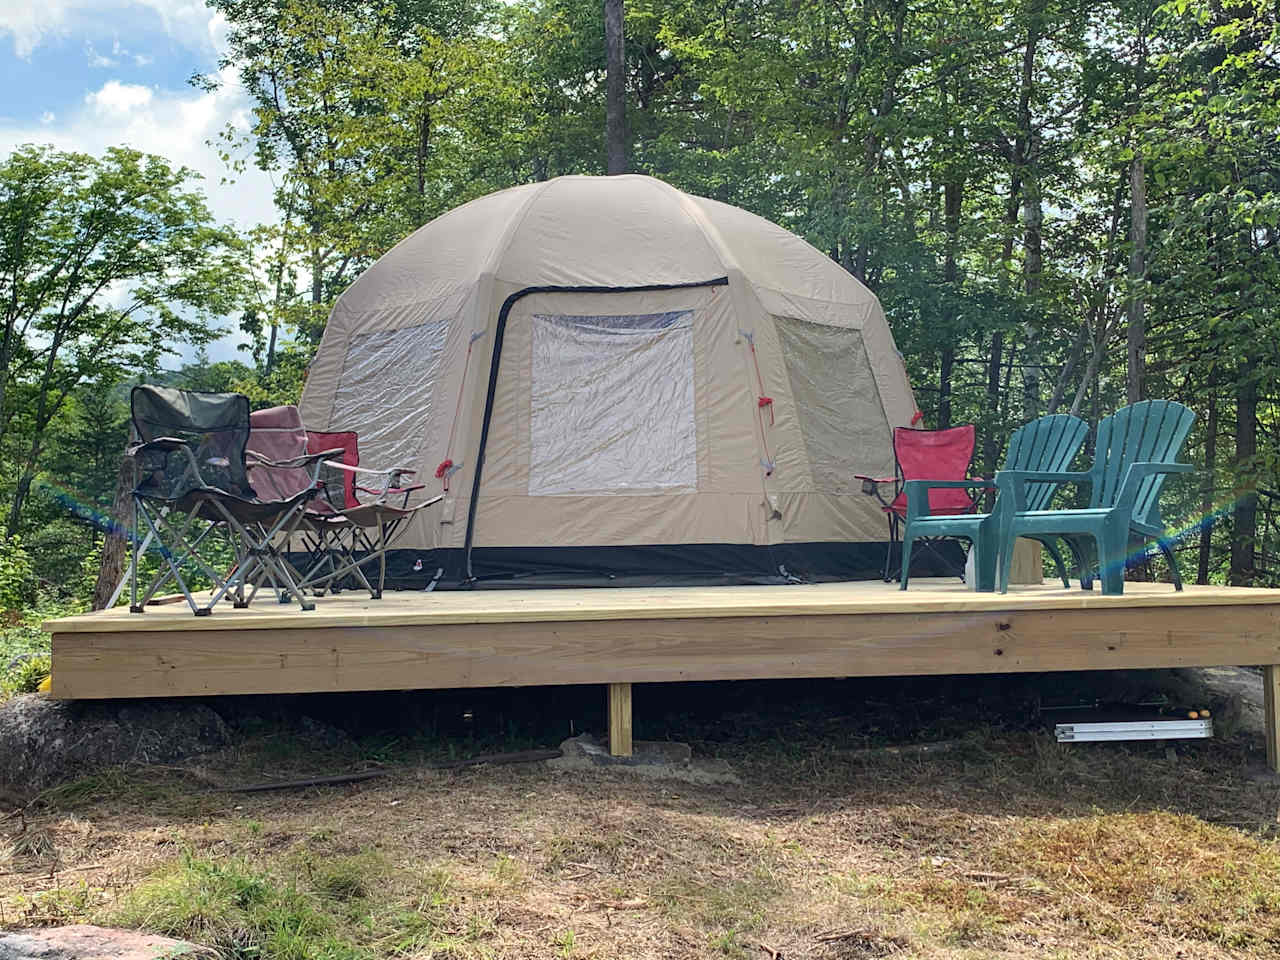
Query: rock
(323, 736)
(646, 752)
(44, 742)
(659, 759)
(82, 942)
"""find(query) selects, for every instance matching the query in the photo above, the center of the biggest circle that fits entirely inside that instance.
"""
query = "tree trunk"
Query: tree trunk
(1033, 271)
(1244, 527)
(1068, 369)
(115, 548)
(18, 502)
(423, 149)
(945, 366)
(1026, 193)
(1137, 270)
(1210, 468)
(615, 88)
(990, 446)
(952, 197)
(271, 343)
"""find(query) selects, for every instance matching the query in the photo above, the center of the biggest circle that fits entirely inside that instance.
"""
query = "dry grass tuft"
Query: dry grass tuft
(1006, 847)
(1171, 872)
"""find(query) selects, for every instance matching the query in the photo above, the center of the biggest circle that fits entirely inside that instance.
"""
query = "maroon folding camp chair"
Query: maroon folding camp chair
(924, 455)
(360, 513)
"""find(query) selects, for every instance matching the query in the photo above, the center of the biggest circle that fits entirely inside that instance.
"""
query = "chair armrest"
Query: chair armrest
(397, 490)
(1140, 471)
(302, 460)
(871, 486)
(391, 486)
(394, 491)
(1013, 483)
(311, 461)
(918, 492)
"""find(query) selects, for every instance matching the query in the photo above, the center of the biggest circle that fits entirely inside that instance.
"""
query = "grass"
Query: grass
(1008, 846)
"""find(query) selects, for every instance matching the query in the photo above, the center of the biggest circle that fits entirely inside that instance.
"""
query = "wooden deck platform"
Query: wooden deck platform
(620, 636)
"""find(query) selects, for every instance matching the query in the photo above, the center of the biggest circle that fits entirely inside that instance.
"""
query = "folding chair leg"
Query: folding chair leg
(382, 558)
(175, 570)
(134, 606)
(893, 538)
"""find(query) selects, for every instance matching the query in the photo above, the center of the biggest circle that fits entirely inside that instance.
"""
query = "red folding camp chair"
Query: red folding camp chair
(374, 511)
(925, 455)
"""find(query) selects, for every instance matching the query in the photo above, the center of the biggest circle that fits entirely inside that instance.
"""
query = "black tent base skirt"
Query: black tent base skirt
(658, 565)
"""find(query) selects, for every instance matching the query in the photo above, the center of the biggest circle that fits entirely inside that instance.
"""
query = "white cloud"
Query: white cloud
(142, 60)
(98, 61)
(116, 98)
(176, 124)
(30, 22)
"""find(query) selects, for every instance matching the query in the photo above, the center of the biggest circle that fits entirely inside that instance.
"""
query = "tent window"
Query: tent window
(611, 405)
(387, 381)
(837, 404)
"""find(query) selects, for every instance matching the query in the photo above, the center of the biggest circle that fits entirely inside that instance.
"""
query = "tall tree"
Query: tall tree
(107, 265)
(615, 88)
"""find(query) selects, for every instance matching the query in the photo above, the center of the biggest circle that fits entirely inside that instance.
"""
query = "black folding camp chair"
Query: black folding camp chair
(193, 488)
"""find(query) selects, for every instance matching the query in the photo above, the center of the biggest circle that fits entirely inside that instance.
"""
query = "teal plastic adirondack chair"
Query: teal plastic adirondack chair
(1049, 443)
(1137, 449)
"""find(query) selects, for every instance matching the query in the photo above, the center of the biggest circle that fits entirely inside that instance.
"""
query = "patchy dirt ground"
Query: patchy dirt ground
(1004, 845)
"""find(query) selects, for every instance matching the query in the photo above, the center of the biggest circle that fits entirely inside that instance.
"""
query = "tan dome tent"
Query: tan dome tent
(613, 379)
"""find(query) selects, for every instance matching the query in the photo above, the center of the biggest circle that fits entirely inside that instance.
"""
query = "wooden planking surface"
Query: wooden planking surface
(525, 653)
(406, 608)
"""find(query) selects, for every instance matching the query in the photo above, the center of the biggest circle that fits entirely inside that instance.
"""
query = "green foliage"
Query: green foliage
(17, 576)
(107, 264)
(26, 676)
(24, 646)
(970, 163)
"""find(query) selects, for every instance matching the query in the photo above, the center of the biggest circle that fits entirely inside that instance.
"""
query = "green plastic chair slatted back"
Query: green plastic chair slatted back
(1049, 443)
(1151, 431)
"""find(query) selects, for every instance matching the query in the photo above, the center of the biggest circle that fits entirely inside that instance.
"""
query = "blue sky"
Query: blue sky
(88, 74)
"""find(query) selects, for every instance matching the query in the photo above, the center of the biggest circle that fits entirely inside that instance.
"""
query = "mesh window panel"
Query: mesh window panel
(837, 404)
(385, 393)
(611, 406)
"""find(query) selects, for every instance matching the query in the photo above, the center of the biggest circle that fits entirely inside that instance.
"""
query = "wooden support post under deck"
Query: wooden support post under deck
(620, 719)
(1271, 709)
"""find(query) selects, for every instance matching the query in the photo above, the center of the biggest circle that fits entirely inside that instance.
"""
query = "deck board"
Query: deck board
(406, 608)
(635, 635)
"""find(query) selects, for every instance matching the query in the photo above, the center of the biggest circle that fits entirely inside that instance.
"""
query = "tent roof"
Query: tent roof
(619, 231)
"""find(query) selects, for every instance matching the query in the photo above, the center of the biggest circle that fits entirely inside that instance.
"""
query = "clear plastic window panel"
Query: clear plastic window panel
(837, 404)
(385, 393)
(611, 406)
